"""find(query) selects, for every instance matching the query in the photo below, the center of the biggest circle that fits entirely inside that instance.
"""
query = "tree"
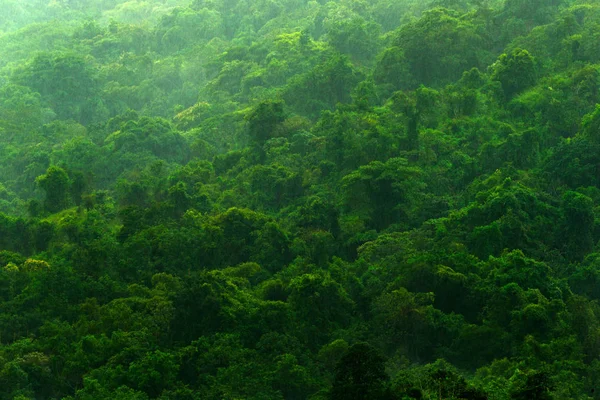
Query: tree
(271, 247)
(439, 46)
(533, 12)
(536, 386)
(153, 372)
(65, 80)
(392, 71)
(515, 72)
(274, 186)
(575, 163)
(360, 375)
(263, 121)
(355, 37)
(177, 29)
(590, 125)
(446, 383)
(320, 305)
(55, 182)
(381, 193)
(323, 87)
(419, 109)
(578, 227)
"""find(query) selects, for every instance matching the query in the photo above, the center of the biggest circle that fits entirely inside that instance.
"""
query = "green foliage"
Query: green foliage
(579, 224)
(360, 374)
(263, 121)
(532, 13)
(573, 163)
(320, 304)
(381, 193)
(355, 37)
(439, 46)
(590, 124)
(515, 72)
(323, 87)
(65, 81)
(56, 184)
(178, 29)
(255, 200)
(393, 70)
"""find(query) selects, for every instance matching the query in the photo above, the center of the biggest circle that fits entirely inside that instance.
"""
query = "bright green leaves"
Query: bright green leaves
(94, 390)
(281, 194)
(590, 125)
(232, 76)
(227, 239)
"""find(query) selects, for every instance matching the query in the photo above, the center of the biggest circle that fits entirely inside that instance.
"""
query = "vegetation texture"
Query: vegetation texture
(293, 199)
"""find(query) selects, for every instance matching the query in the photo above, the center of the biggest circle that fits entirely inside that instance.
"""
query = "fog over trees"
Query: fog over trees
(299, 200)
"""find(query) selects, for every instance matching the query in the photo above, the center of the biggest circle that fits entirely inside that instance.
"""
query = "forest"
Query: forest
(299, 199)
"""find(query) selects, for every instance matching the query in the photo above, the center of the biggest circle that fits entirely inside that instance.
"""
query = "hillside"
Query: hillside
(289, 199)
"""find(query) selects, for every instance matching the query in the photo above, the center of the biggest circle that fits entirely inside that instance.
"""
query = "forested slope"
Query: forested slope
(289, 199)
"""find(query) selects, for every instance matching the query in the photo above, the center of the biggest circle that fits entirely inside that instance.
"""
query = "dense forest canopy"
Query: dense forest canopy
(293, 199)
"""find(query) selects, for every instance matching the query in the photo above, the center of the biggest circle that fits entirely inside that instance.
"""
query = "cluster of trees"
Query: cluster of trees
(289, 199)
